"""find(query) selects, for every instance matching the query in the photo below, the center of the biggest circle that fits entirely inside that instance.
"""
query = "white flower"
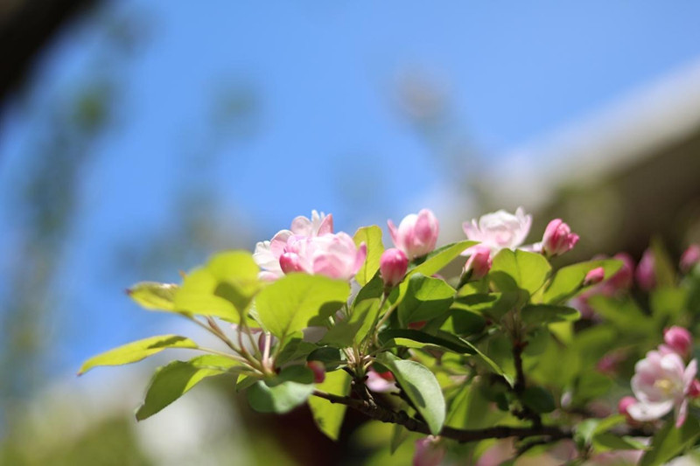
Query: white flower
(499, 230)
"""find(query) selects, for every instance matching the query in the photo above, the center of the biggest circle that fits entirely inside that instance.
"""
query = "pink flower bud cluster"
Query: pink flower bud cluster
(662, 382)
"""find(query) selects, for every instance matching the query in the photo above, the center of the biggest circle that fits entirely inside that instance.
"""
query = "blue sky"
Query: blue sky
(324, 76)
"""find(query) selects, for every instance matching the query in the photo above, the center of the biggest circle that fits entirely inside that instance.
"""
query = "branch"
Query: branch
(379, 413)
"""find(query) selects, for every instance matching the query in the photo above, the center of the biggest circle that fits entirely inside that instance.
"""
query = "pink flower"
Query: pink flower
(267, 253)
(380, 382)
(499, 230)
(393, 266)
(558, 238)
(690, 258)
(624, 404)
(416, 234)
(479, 262)
(677, 340)
(646, 278)
(332, 255)
(662, 383)
(595, 276)
(428, 452)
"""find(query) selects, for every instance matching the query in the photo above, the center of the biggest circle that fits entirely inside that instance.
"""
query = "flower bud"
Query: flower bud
(694, 390)
(558, 238)
(690, 258)
(479, 262)
(428, 452)
(624, 405)
(290, 262)
(417, 234)
(622, 279)
(318, 369)
(595, 276)
(393, 265)
(679, 340)
(646, 277)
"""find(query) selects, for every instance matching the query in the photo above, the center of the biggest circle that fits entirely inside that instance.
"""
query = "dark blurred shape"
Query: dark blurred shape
(26, 27)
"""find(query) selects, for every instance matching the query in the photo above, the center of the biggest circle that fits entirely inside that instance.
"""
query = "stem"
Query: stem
(382, 414)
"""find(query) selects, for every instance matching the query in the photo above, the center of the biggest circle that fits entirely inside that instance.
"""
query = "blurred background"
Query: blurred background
(136, 138)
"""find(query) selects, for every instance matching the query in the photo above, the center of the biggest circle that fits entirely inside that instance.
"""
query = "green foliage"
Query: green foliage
(372, 237)
(539, 400)
(329, 416)
(421, 387)
(136, 351)
(670, 442)
(568, 281)
(291, 388)
(417, 339)
(154, 295)
(519, 270)
(538, 314)
(425, 298)
(287, 305)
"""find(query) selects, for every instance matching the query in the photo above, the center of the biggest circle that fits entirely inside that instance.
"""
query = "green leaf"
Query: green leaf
(568, 280)
(356, 328)
(664, 268)
(539, 400)
(623, 312)
(513, 270)
(372, 237)
(287, 305)
(493, 305)
(539, 314)
(291, 388)
(398, 435)
(609, 441)
(421, 387)
(223, 288)
(154, 295)
(329, 416)
(425, 299)
(331, 358)
(136, 351)
(465, 322)
(170, 382)
(400, 335)
(440, 258)
(670, 441)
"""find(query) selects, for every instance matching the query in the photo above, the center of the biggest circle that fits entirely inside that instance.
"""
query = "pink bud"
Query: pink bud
(290, 262)
(690, 258)
(428, 452)
(417, 234)
(624, 405)
(646, 278)
(694, 390)
(679, 340)
(417, 325)
(393, 265)
(622, 279)
(558, 238)
(479, 262)
(318, 369)
(594, 276)
(608, 364)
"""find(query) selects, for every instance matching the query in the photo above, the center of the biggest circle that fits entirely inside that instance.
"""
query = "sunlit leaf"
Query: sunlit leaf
(372, 237)
(154, 295)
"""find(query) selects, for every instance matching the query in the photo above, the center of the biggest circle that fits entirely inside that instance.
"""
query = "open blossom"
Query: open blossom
(558, 238)
(417, 234)
(333, 255)
(499, 230)
(479, 262)
(662, 383)
(646, 277)
(267, 253)
(428, 452)
(380, 382)
(690, 258)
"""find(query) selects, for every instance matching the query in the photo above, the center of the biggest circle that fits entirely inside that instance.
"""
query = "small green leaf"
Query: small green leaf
(671, 441)
(169, 383)
(513, 270)
(287, 305)
(539, 400)
(197, 296)
(540, 314)
(291, 388)
(372, 237)
(421, 387)
(331, 358)
(356, 328)
(329, 416)
(154, 295)
(455, 344)
(136, 351)
(622, 312)
(425, 299)
(567, 281)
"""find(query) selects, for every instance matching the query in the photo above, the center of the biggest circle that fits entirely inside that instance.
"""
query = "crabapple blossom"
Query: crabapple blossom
(558, 238)
(677, 340)
(417, 233)
(380, 382)
(334, 255)
(593, 277)
(646, 277)
(479, 262)
(690, 258)
(393, 266)
(662, 383)
(623, 406)
(428, 452)
(499, 230)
